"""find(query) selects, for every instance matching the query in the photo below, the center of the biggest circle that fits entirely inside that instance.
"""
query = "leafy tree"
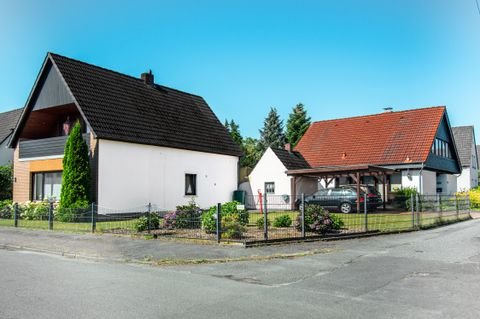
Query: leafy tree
(235, 133)
(297, 124)
(252, 152)
(76, 171)
(272, 133)
(6, 181)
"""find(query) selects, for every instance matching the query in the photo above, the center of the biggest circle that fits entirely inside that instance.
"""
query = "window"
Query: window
(190, 184)
(47, 186)
(270, 188)
(441, 148)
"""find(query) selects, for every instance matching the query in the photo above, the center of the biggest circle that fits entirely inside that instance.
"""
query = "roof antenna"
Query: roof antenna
(387, 109)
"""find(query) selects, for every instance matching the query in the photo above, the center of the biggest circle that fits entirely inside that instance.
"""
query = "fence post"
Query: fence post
(302, 212)
(365, 211)
(15, 215)
(456, 206)
(265, 217)
(468, 203)
(50, 216)
(417, 208)
(148, 217)
(218, 222)
(94, 218)
(412, 208)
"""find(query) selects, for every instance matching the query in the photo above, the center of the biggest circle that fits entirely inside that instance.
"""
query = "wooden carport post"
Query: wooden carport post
(384, 191)
(358, 192)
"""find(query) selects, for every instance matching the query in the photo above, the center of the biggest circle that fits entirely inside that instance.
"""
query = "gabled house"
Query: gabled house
(391, 150)
(8, 121)
(147, 143)
(269, 175)
(467, 150)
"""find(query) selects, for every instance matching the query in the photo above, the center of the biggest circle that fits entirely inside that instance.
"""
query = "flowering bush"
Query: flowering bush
(34, 210)
(186, 217)
(209, 223)
(6, 209)
(318, 220)
(142, 223)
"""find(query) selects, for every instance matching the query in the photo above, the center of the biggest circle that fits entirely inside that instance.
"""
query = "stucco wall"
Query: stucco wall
(6, 154)
(132, 175)
(270, 169)
(423, 180)
(464, 180)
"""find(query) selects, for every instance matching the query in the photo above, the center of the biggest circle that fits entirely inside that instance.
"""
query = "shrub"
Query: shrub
(78, 211)
(260, 223)
(34, 210)
(142, 223)
(187, 217)
(6, 209)
(282, 221)
(6, 182)
(318, 220)
(403, 198)
(231, 227)
(474, 195)
(209, 223)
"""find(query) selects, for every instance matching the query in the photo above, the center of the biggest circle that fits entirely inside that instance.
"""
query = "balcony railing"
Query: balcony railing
(45, 147)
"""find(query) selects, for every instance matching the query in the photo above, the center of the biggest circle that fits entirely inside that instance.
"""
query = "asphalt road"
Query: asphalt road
(429, 274)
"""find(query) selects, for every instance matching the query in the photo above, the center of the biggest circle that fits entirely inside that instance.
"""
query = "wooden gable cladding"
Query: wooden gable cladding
(47, 165)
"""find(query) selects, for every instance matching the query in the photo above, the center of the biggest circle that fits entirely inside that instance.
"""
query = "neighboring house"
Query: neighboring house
(269, 177)
(147, 143)
(467, 150)
(8, 121)
(391, 150)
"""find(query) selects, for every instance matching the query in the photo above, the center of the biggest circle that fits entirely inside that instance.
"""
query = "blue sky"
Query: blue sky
(340, 58)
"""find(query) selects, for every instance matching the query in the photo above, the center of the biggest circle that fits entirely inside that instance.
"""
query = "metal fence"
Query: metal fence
(273, 218)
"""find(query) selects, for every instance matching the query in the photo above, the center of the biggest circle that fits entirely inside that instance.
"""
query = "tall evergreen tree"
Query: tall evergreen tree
(76, 171)
(227, 125)
(252, 152)
(297, 124)
(235, 133)
(272, 133)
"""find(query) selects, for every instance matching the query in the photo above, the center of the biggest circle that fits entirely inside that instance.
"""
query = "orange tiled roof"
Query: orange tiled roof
(385, 138)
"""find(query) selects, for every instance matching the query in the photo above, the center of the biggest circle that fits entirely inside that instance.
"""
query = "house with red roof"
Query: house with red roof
(391, 150)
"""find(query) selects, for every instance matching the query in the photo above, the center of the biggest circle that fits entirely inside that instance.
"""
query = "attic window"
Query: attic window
(441, 148)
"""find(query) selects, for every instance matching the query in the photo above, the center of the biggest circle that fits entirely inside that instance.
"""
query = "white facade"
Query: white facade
(270, 170)
(468, 179)
(132, 175)
(6, 154)
(423, 180)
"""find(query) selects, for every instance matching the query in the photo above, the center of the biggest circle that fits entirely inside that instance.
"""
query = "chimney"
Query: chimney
(387, 109)
(288, 147)
(147, 77)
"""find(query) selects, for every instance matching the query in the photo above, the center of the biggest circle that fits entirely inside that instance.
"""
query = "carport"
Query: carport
(329, 173)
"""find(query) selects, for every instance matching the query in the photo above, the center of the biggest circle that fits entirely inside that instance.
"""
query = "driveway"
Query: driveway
(429, 274)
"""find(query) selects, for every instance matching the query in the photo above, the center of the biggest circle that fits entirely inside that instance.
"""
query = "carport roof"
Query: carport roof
(333, 171)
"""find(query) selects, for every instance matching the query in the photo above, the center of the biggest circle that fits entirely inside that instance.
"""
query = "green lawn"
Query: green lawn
(125, 225)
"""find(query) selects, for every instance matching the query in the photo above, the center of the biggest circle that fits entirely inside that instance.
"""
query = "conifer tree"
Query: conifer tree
(235, 133)
(297, 124)
(76, 171)
(272, 133)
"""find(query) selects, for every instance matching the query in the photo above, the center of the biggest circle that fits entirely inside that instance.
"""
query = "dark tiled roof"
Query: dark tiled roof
(124, 108)
(379, 139)
(291, 160)
(8, 121)
(463, 136)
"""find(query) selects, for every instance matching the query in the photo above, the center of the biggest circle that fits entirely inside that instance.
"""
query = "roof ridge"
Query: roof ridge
(53, 54)
(377, 114)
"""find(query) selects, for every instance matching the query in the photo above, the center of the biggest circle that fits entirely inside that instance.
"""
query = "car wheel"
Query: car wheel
(345, 208)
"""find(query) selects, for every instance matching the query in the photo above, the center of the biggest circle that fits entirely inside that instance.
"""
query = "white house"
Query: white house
(269, 177)
(8, 120)
(467, 150)
(147, 143)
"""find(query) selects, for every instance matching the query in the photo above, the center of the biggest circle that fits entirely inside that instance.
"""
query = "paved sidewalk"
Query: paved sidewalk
(130, 249)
